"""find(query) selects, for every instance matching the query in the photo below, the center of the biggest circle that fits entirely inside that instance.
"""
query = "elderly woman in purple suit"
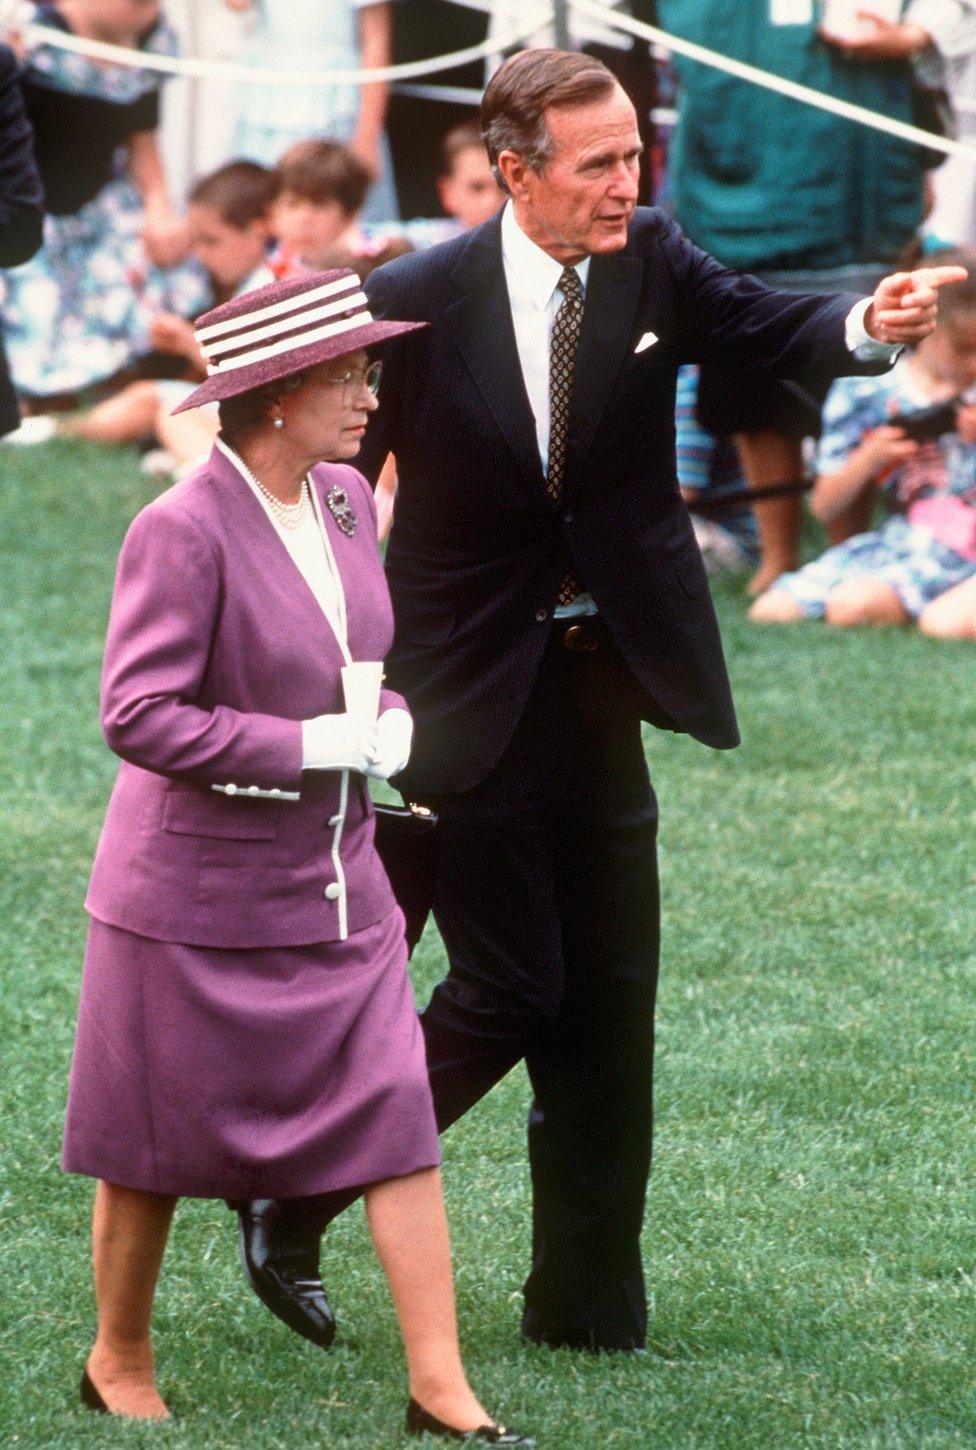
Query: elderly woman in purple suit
(246, 1026)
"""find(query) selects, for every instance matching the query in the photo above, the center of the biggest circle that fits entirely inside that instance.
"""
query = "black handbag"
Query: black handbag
(407, 841)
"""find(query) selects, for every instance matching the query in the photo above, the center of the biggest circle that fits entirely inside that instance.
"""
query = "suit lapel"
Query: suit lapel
(612, 296)
(481, 321)
(267, 557)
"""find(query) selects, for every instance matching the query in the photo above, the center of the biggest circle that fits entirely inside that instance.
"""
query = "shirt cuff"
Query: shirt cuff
(860, 342)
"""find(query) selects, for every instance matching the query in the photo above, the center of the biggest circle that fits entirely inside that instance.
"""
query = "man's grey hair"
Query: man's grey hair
(513, 109)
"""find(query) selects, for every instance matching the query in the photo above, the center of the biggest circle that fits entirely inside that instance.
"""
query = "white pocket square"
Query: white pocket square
(648, 340)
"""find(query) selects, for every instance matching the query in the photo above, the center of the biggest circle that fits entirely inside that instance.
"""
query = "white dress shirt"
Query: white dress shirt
(531, 276)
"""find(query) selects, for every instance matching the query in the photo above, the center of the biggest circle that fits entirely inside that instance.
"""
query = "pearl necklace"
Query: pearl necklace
(289, 515)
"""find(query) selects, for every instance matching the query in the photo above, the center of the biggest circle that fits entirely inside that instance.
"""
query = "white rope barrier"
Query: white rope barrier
(411, 70)
(452, 95)
(255, 75)
(770, 82)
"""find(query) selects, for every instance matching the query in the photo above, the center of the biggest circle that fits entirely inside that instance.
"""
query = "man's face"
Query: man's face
(583, 199)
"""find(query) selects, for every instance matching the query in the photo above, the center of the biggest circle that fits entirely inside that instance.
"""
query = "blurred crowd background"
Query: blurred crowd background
(163, 196)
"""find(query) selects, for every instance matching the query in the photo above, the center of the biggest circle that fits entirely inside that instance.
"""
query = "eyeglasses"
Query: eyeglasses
(355, 379)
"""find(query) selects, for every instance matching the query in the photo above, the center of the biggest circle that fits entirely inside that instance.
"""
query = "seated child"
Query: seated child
(927, 544)
(467, 187)
(321, 189)
(229, 218)
(74, 315)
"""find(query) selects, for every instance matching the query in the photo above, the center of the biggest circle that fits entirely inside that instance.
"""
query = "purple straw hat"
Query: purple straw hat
(279, 329)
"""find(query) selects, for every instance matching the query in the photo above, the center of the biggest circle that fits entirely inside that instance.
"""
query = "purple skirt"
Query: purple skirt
(272, 1073)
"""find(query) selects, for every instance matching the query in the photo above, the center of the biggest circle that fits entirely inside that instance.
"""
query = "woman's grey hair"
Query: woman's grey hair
(247, 411)
(513, 108)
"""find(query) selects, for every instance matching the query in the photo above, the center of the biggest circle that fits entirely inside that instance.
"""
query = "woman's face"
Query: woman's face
(326, 417)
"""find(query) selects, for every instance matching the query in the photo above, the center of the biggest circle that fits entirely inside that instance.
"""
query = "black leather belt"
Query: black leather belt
(581, 633)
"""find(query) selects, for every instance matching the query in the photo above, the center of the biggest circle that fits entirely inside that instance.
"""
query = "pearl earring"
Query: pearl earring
(279, 422)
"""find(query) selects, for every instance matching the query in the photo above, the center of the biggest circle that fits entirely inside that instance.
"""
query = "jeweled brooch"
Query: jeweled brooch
(338, 504)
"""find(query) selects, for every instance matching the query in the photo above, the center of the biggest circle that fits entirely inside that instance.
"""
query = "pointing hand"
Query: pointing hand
(903, 308)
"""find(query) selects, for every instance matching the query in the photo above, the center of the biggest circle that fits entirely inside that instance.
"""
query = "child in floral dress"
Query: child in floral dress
(114, 250)
(926, 546)
(301, 35)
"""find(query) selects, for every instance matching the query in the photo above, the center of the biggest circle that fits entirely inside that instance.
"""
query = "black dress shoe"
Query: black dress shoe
(422, 1422)
(90, 1397)
(281, 1260)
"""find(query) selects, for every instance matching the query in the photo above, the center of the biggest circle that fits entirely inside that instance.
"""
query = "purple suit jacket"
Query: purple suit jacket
(216, 650)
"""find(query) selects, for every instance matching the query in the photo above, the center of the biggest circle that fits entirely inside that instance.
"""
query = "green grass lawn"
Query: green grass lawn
(811, 1239)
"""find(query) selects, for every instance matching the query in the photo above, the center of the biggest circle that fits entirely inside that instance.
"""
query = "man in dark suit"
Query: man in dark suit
(21, 203)
(549, 596)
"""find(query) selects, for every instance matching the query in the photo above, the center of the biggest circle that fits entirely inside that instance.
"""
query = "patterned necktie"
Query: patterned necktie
(562, 357)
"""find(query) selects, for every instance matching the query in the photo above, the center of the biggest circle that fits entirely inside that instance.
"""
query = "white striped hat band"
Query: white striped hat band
(281, 328)
(297, 322)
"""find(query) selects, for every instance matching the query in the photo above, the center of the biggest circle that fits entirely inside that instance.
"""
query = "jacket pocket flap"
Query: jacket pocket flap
(188, 813)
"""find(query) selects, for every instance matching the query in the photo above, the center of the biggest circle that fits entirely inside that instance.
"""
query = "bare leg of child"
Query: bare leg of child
(124, 418)
(864, 600)
(769, 458)
(953, 614)
(189, 437)
(409, 1228)
(775, 607)
(129, 1232)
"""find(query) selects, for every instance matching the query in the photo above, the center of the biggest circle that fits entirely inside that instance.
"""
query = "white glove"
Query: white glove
(391, 750)
(338, 742)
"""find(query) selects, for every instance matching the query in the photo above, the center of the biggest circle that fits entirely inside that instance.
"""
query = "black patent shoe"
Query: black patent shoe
(90, 1397)
(422, 1422)
(281, 1260)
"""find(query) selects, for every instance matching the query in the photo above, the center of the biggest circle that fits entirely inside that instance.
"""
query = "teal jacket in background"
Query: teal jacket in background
(761, 181)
